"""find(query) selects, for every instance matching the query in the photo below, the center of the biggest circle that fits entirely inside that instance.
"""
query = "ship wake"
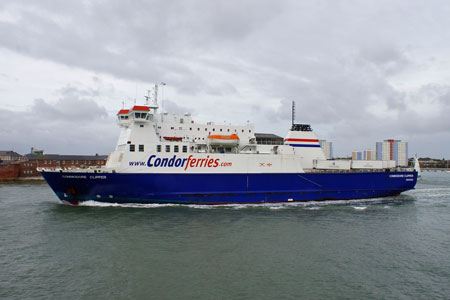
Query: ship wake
(359, 204)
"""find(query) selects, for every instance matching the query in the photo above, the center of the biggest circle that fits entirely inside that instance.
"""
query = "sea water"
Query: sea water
(386, 248)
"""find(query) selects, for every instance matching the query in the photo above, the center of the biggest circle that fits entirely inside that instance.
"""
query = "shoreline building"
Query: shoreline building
(327, 148)
(393, 150)
(9, 155)
(357, 155)
(268, 139)
(370, 154)
(14, 166)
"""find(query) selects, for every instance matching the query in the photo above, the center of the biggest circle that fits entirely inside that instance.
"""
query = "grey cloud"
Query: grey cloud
(71, 106)
(70, 125)
(175, 108)
(145, 40)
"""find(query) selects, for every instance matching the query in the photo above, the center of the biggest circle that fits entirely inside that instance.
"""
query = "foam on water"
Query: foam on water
(313, 208)
(360, 207)
(93, 203)
(310, 205)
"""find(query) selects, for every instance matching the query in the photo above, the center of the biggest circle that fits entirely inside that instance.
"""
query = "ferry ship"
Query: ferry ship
(169, 158)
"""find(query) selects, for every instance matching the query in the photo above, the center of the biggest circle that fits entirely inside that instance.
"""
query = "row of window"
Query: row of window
(133, 148)
(136, 116)
(176, 148)
(140, 115)
(206, 129)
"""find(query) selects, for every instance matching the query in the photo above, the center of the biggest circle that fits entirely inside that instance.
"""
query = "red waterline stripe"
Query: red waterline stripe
(302, 140)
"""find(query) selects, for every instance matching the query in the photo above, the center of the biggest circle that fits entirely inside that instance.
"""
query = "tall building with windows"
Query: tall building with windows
(393, 150)
(369, 154)
(357, 155)
(327, 148)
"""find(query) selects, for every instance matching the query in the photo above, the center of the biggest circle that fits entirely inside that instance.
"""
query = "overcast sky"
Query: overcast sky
(359, 71)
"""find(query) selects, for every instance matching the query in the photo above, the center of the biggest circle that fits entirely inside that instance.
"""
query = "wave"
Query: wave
(359, 204)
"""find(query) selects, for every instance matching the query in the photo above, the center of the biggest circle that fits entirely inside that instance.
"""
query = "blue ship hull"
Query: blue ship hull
(213, 188)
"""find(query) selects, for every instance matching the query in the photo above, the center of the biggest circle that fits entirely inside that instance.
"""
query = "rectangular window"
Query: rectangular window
(167, 148)
(175, 148)
(184, 149)
(141, 148)
(132, 147)
(158, 148)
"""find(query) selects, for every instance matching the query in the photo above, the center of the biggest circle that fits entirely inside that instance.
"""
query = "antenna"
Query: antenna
(155, 89)
(162, 90)
(147, 98)
(293, 112)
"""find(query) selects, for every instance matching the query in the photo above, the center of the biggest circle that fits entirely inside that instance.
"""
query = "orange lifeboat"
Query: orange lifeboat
(218, 139)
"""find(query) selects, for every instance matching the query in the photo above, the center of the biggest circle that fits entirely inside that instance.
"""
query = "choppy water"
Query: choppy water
(391, 248)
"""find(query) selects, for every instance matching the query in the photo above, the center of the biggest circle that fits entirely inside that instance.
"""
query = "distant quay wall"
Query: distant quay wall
(22, 179)
(9, 171)
(435, 169)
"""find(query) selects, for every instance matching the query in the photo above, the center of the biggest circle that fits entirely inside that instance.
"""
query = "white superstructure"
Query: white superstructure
(151, 141)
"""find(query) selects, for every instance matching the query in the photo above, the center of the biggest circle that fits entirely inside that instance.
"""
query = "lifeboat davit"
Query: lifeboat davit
(218, 139)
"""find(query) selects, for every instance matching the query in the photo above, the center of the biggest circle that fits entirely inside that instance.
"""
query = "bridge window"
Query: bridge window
(167, 148)
(132, 147)
(175, 148)
(140, 115)
(158, 148)
(184, 149)
(141, 148)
